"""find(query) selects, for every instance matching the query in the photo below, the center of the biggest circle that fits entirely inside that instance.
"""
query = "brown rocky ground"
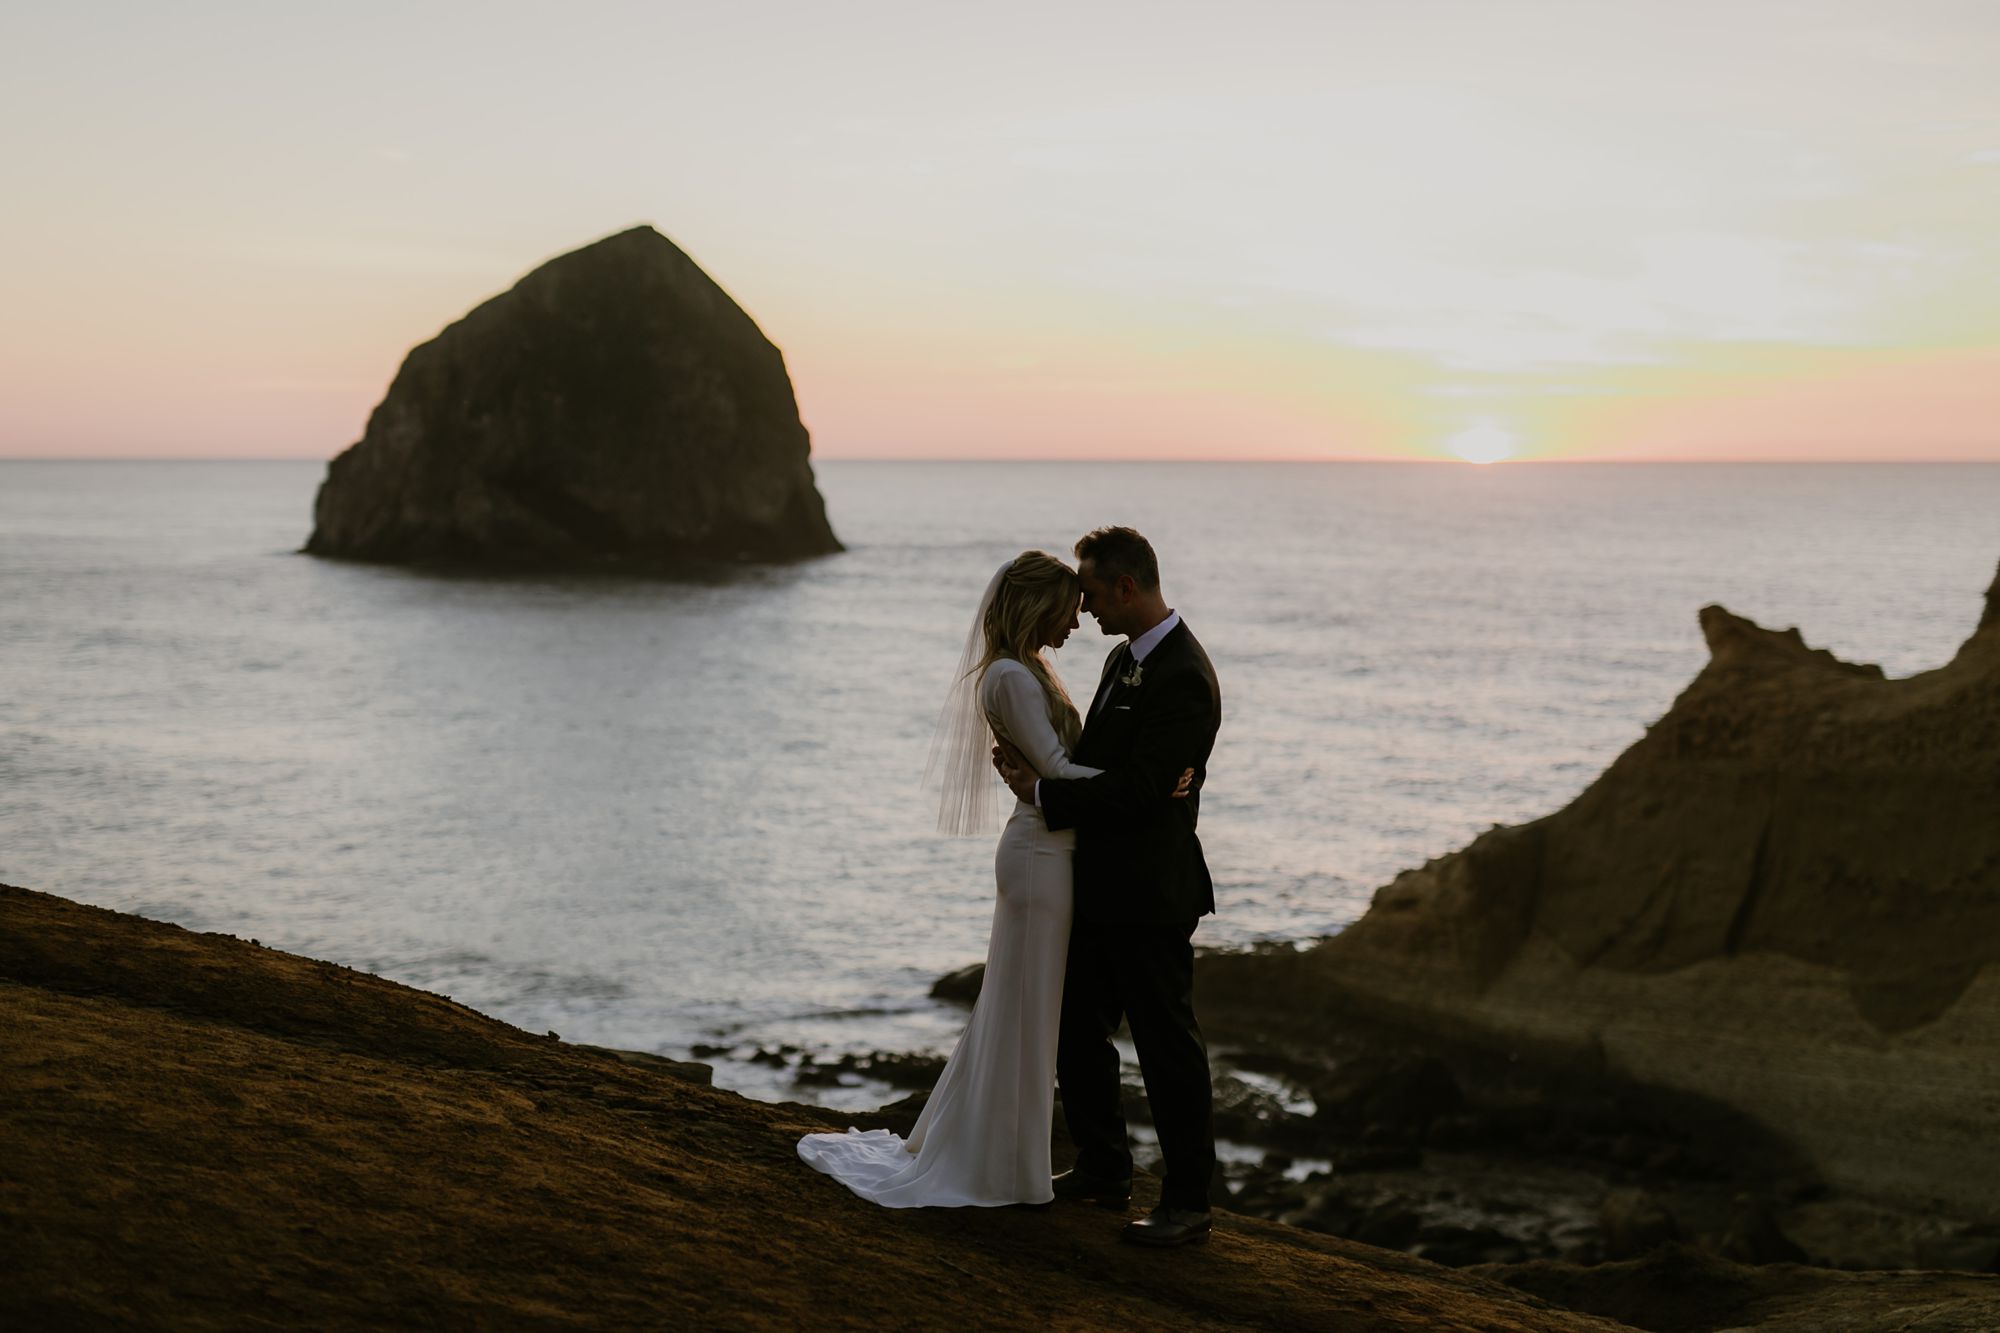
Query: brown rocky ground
(1334, 1123)
(205, 1133)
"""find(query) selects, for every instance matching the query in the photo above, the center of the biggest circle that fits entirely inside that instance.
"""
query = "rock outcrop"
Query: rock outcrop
(1785, 898)
(378, 1156)
(613, 410)
(206, 1133)
(203, 1133)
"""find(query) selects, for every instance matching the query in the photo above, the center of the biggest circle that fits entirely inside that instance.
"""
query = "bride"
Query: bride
(983, 1138)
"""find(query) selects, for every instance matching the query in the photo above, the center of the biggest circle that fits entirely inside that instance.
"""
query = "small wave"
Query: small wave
(868, 1011)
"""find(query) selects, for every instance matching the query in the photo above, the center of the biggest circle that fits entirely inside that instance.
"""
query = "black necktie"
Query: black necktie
(1119, 656)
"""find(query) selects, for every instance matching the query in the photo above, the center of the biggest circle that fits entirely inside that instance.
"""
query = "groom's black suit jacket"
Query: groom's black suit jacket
(1137, 856)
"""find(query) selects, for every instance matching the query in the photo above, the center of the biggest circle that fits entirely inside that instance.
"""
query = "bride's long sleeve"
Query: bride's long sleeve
(1019, 710)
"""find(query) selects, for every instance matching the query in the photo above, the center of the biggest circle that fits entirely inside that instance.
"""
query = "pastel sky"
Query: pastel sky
(1419, 229)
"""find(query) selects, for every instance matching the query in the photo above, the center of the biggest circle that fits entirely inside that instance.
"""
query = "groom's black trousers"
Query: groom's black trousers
(1145, 975)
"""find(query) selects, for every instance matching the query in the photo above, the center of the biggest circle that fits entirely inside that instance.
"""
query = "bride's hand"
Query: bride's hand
(1184, 786)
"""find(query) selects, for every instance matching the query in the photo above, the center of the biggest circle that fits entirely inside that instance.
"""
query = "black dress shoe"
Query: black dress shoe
(1164, 1227)
(1076, 1187)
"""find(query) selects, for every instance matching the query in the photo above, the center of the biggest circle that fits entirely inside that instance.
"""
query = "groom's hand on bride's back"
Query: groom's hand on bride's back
(1009, 761)
(1014, 770)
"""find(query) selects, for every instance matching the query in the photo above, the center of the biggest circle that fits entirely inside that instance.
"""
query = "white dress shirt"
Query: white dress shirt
(1150, 640)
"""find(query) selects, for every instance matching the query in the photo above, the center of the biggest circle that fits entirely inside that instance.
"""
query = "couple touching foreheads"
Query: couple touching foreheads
(1100, 883)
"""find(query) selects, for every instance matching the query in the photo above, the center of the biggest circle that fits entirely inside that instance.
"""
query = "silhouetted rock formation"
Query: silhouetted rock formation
(614, 409)
(1784, 898)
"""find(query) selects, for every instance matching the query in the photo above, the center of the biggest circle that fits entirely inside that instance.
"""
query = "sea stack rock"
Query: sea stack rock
(1784, 898)
(614, 410)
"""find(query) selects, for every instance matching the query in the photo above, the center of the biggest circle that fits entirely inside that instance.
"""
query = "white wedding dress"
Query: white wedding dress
(983, 1138)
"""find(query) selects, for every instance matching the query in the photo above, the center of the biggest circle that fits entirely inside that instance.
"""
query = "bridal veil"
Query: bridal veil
(961, 746)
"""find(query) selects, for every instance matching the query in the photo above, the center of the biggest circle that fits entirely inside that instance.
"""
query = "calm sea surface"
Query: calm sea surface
(658, 814)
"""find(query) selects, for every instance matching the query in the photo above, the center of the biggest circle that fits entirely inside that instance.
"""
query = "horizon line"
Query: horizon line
(1397, 460)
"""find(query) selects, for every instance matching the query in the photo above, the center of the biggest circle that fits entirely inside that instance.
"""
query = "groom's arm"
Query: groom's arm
(1177, 734)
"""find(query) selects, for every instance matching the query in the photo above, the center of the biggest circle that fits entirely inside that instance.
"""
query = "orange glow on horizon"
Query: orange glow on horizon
(1319, 239)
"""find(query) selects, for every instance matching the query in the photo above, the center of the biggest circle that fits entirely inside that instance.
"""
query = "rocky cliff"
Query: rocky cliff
(205, 1133)
(613, 410)
(1785, 898)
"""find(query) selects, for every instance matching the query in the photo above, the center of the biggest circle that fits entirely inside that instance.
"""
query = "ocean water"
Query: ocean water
(656, 814)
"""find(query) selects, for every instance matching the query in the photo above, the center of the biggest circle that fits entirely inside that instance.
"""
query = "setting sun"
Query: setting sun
(1483, 443)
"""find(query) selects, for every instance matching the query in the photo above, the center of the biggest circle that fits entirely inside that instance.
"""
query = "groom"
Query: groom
(1141, 886)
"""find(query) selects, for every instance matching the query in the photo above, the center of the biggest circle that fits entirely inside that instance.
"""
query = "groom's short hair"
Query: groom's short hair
(1116, 551)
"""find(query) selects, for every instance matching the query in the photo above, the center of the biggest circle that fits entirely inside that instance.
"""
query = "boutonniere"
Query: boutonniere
(1134, 676)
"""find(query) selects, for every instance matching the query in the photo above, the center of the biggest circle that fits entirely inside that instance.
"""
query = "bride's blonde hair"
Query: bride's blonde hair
(1036, 591)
